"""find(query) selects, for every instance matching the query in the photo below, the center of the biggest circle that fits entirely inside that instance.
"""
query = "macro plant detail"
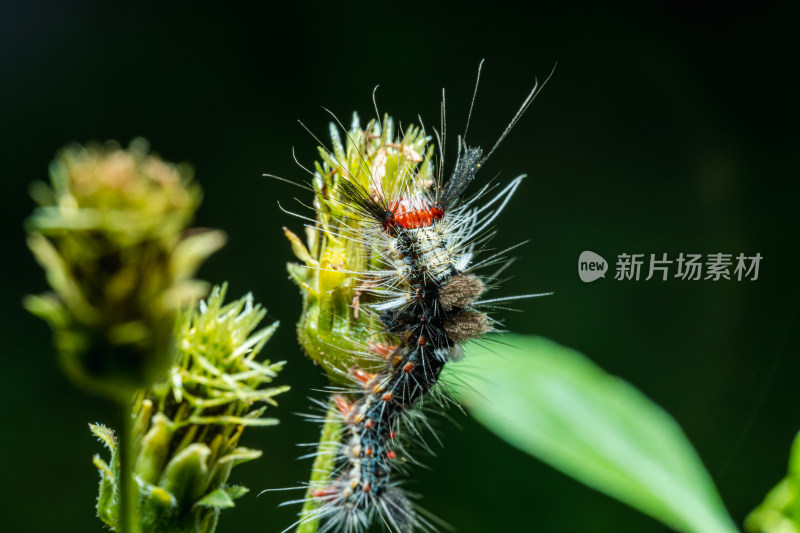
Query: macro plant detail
(111, 234)
(331, 326)
(186, 428)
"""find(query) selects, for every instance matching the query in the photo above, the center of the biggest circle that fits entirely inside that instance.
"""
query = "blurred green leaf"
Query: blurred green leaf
(236, 491)
(218, 499)
(780, 510)
(558, 406)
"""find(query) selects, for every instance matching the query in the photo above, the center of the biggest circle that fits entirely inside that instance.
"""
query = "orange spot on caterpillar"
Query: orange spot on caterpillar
(422, 340)
(384, 350)
(391, 455)
(325, 493)
(408, 368)
(362, 376)
(387, 397)
(369, 423)
(368, 452)
(367, 487)
(392, 435)
(343, 405)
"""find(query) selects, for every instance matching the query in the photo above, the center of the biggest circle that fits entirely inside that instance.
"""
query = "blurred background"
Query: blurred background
(666, 128)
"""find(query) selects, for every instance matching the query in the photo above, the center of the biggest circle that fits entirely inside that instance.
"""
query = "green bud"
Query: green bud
(331, 326)
(186, 429)
(186, 475)
(154, 449)
(110, 233)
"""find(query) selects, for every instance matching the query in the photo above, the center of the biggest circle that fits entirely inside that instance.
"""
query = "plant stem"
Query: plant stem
(322, 469)
(128, 492)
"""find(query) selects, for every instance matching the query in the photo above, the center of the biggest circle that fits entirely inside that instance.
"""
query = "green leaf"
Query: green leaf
(240, 455)
(556, 405)
(236, 491)
(157, 507)
(225, 419)
(192, 251)
(217, 499)
(780, 511)
(105, 434)
(185, 475)
(154, 449)
(106, 503)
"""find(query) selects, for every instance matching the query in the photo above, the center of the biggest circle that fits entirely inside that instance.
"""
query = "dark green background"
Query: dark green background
(666, 128)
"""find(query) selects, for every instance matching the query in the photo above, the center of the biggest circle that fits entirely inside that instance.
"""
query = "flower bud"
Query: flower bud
(186, 428)
(110, 233)
(334, 325)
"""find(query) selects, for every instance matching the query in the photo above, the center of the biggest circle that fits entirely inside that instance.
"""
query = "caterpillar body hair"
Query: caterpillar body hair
(419, 291)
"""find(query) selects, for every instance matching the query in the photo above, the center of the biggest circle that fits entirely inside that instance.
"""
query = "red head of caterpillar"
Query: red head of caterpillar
(413, 213)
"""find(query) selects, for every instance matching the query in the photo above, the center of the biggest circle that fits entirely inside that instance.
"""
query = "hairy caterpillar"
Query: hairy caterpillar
(400, 245)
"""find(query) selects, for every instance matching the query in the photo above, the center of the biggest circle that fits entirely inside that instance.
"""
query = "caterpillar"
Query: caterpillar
(413, 303)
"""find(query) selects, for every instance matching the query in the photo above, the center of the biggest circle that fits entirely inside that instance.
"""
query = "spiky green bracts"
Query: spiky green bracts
(383, 162)
(186, 428)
